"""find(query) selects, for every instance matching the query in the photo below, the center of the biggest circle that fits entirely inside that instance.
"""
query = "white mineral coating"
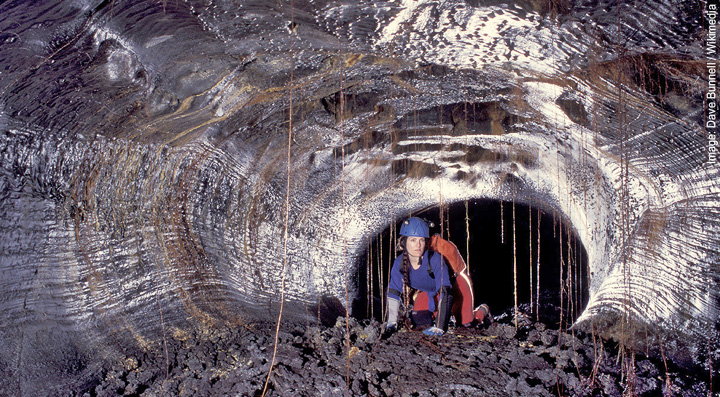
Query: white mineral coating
(144, 155)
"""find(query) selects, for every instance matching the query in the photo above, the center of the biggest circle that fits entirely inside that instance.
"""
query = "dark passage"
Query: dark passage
(493, 259)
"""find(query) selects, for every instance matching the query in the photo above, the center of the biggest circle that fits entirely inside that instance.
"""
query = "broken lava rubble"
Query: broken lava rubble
(497, 360)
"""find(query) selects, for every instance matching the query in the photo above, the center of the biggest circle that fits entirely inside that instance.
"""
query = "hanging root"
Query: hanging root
(668, 382)
(287, 207)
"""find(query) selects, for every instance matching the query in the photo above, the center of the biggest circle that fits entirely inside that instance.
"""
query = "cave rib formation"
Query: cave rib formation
(147, 185)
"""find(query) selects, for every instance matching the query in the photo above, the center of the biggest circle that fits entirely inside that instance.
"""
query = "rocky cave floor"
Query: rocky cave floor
(493, 360)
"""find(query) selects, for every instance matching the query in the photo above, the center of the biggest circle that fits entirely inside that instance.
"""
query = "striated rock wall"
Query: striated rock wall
(145, 173)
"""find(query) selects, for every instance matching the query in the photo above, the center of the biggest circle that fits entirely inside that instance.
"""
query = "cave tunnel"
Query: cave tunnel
(493, 258)
(177, 175)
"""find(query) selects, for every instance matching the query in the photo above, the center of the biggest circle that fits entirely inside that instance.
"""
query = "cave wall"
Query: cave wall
(147, 184)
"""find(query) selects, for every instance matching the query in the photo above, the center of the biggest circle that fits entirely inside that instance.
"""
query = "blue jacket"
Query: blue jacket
(420, 279)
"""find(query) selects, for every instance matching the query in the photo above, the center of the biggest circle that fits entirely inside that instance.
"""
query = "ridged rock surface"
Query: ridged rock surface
(144, 183)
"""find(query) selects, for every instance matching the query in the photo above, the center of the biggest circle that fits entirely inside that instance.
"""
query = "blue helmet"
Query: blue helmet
(415, 227)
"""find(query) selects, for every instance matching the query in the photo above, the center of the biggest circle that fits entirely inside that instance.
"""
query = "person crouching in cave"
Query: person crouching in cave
(420, 279)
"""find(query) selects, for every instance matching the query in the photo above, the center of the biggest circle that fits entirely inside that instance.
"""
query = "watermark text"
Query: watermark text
(711, 96)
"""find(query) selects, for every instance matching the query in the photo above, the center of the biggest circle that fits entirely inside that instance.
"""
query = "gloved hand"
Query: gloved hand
(433, 331)
(390, 329)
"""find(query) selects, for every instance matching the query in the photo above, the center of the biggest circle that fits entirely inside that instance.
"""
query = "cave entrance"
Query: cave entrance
(492, 258)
